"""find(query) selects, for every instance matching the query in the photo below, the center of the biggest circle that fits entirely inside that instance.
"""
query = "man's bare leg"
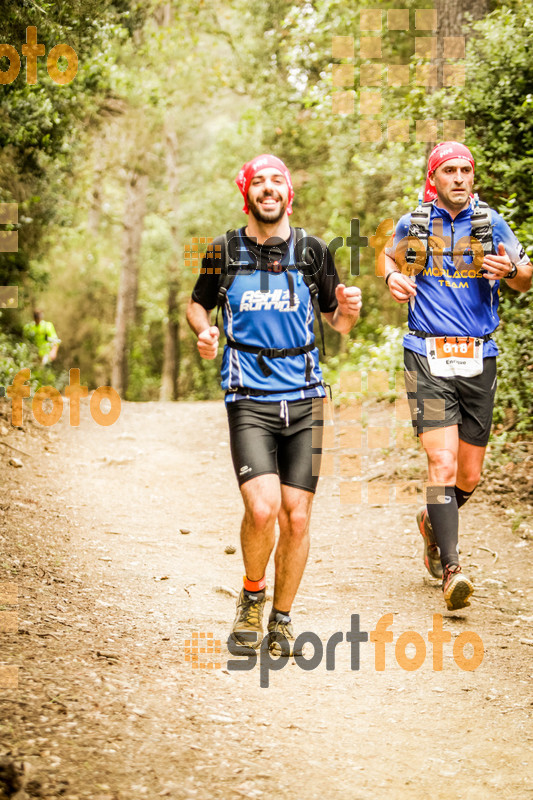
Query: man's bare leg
(293, 545)
(470, 459)
(441, 446)
(262, 501)
(290, 559)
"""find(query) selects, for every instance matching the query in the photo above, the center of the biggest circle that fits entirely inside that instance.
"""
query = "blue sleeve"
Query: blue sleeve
(501, 232)
(402, 229)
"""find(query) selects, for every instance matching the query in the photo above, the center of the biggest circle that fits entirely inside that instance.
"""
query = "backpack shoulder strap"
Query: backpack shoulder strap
(482, 224)
(227, 275)
(419, 228)
(303, 268)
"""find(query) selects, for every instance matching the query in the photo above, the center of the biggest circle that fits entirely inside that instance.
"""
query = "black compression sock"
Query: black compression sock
(444, 518)
(255, 595)
(272, 615)
(462, 496)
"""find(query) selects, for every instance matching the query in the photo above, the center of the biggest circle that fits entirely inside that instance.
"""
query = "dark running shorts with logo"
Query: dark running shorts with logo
(442, 402)
(283, 438)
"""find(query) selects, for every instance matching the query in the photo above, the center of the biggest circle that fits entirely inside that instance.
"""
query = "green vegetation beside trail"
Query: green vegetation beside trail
(118, 172)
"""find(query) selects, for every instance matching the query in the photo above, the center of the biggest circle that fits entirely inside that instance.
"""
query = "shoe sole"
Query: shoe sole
(275, 647)
(249, 645)
(276, 650)
(433, 570)
(458, 593)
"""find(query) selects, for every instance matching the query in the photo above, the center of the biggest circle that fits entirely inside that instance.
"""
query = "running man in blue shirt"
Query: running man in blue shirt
(274, 387)
(450, 357)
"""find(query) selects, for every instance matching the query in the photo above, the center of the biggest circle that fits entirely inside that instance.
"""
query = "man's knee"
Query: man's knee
(468, 481)
(298, 521)
(442, 466)
(262, 512)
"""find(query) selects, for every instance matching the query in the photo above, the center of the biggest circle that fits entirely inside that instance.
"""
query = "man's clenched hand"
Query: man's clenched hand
(349, 299)
(401, 287)
(208, 342)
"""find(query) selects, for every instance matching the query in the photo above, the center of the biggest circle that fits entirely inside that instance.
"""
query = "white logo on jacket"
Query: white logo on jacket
(277, 300)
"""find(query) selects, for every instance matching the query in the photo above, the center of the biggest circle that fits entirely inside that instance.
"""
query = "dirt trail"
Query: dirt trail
(109, 708)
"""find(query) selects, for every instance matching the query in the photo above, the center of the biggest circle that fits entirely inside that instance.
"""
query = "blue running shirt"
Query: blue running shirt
(455, 299)
(258, 312)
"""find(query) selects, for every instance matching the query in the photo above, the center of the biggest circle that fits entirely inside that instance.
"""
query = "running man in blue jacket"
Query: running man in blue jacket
(274, 387)
(449, 353)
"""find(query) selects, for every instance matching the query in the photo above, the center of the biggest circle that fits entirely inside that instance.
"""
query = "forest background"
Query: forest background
(120, 174)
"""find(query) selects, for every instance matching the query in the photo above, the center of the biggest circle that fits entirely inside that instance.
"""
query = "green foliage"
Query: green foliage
(231, 80)
(13, 358)
(498, 108)
(41, 128)
(17, 355)
(514, 401)
(366, 357)
(514, 398)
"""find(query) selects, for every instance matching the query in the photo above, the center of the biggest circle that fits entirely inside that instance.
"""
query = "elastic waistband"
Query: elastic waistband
(424, 335)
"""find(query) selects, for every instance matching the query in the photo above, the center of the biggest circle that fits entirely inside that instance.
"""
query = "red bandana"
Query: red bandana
(441, 153)
(244, 178)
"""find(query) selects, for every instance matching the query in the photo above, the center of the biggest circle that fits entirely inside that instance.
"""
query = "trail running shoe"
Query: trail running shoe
(431, 551)
(249, 619)
(279, 629)
(456, 588)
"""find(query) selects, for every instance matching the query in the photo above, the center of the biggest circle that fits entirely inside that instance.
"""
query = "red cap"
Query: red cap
(441, 153)
(251, 168)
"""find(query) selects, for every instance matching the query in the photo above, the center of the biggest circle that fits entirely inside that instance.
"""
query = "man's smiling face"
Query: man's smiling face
(268, 196)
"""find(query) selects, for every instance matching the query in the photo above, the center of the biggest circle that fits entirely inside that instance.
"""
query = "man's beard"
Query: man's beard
(267, 218)
(458, 200)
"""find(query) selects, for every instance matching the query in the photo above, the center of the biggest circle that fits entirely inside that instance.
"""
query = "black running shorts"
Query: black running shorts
(442, 402)
(280, 438)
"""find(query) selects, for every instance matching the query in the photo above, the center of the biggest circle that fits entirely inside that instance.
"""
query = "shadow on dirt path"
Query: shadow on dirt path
(109, 593)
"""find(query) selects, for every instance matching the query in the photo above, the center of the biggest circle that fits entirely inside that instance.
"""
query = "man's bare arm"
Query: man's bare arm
(199, 320)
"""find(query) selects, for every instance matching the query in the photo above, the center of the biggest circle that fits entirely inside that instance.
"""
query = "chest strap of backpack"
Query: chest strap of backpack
(274, 352)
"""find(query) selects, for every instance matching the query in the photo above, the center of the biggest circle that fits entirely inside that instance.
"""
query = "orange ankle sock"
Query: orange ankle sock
(254, 586)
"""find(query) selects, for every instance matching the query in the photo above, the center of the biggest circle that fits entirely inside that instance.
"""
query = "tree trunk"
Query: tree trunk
(451, 21)
(95, 195)
(163, 15)
(451, 15)
(134, 213)
(171, 353)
